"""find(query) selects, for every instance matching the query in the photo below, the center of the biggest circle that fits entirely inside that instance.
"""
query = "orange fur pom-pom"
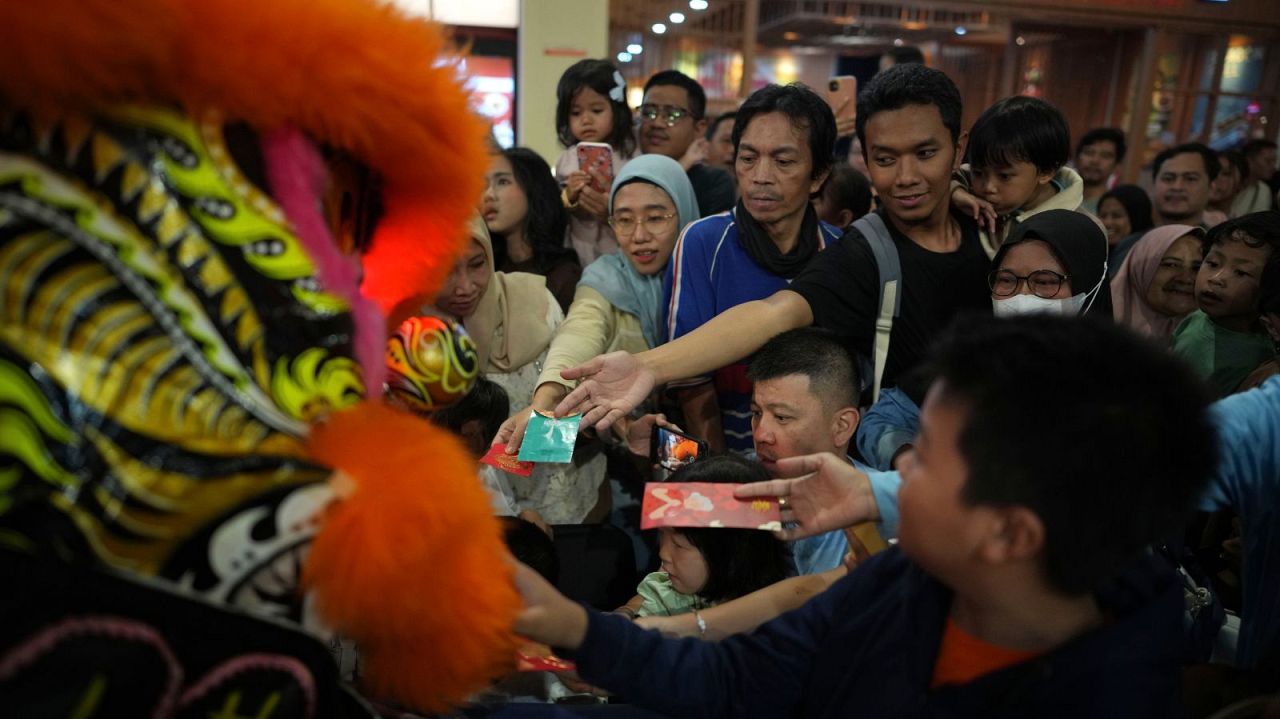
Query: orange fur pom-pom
(354, 74)
(411, 564)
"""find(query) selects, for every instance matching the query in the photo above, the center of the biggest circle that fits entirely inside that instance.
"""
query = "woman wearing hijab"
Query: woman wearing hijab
(1054, 262)
(1125, 210)
(618, 303)
(511, 317)
(1155, 285)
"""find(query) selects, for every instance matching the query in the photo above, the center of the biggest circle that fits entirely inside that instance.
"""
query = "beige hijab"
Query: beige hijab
(509, 325)
(1129, 286)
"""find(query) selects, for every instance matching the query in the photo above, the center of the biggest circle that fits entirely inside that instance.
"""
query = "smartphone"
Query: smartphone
(597, 156)
(672, 450)
(842, 92)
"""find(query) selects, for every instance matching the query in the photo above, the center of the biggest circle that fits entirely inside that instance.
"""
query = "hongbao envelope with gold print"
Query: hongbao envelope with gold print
(705, 504)
(498, 457)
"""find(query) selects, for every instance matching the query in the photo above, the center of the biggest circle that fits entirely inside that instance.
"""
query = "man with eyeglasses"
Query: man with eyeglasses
(909, 123)
(784, 138)
(672, 118)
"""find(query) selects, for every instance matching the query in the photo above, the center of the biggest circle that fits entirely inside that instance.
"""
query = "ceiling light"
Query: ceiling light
(659, 28)
(676, 17)
(635, 48)
(961, 30)
(897, 42)
(791, 36)
(1020, 40)
(697, 4)
(624, 57)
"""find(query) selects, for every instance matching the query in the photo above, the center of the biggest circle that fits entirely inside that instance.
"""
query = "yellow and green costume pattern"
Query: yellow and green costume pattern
(163, 339)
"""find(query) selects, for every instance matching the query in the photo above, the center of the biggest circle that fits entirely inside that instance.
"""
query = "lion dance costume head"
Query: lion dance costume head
(210, 213)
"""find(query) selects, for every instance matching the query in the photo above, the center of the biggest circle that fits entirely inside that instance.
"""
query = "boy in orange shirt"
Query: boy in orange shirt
(1021, 584)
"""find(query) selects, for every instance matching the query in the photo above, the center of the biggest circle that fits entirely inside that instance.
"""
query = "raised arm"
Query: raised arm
(828, 494)
(586, 332)
(745, 613)
(614, 384)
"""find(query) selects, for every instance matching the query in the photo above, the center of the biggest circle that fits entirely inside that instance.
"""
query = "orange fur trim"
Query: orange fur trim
(355, 74)
(412, 564)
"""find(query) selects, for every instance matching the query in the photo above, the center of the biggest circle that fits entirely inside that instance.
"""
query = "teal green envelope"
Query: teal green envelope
(547, 439)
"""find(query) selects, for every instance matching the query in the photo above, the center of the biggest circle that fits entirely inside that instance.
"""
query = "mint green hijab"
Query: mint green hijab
(613, 275)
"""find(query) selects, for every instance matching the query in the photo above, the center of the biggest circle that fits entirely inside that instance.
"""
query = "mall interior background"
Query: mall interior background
(1162, 70)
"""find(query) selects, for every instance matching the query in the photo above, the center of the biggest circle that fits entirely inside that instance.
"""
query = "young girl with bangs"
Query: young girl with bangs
(591, 106)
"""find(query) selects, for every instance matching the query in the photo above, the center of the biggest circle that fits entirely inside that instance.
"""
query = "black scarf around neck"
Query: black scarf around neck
(761, 248)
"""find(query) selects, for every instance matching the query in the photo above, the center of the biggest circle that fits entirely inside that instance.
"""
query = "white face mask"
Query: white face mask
(1031, 305)
(1073, 306)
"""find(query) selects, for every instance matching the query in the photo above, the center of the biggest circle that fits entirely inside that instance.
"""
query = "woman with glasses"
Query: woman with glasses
(618, 303)
(1055, 262)
(1155, 285)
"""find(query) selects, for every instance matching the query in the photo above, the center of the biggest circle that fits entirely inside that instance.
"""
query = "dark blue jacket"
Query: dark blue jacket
(866, 647)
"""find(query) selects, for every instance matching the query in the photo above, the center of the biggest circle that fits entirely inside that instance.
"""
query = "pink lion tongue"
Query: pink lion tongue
(297, 176)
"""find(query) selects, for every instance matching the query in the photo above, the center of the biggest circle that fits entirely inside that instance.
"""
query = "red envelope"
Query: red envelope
(498, 457)
(705, 504)
(538, 658)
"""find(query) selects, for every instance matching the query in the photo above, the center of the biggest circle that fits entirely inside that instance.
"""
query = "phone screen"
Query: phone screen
(672, 450)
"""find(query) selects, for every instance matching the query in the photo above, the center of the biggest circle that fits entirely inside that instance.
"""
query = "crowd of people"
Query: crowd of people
(1022, 418)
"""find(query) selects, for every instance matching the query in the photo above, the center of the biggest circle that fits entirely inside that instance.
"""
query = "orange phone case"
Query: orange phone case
(842, 92)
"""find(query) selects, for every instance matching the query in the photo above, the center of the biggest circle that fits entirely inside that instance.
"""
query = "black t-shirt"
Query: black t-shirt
(713, 187)
(842, 287)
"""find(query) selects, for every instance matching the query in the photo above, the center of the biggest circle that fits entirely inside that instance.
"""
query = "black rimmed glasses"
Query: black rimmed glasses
(670, 114)
(1043, 283)
(625, 226)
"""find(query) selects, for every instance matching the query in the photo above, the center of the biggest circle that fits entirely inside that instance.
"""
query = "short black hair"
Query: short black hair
(739, 561)
(1102, 502)
(532, 547)
(1256, 229)
(849, 190)
(697, 96)
(1136, 203)
(603, 77)
(546, 221)
(1209, 157)
(722, 117)
(806, 111)
(1257, 145)
(816, 354)
(1113, 135)
(910, 84)
(1236, 159)
(486, 401)
(1020, 129)
(905, 55)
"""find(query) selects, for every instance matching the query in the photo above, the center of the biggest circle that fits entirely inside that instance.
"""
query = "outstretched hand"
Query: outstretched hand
(511, 433)
(830, 493)
(548, 616)
(611, 386)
